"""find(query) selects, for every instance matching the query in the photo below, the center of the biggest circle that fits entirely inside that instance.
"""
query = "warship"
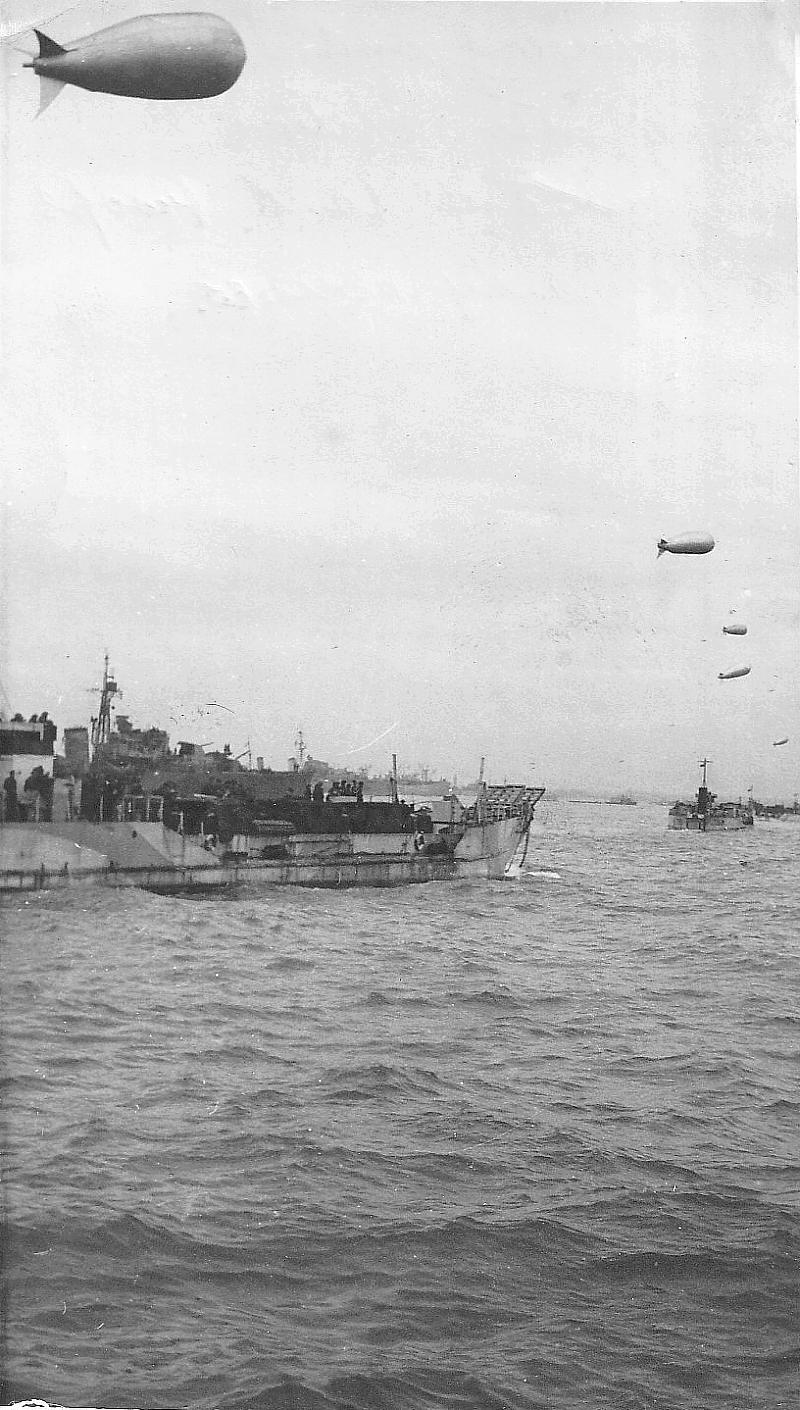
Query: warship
(705, 814)
(123, 809)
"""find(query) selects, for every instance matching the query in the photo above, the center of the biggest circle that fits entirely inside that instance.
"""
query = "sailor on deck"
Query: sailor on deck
(10, 791)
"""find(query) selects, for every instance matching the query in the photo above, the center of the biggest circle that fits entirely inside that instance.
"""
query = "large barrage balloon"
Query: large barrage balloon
(152, 56)
(686, 543)
(738, 629)
(776, 742)
(734, 675)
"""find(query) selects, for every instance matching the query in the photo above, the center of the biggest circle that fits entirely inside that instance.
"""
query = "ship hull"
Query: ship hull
(484, 853)
(37, 856)
(696, 824)
(44, 856)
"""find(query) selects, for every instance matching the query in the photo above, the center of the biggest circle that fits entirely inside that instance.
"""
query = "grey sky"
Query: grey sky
(361, 394)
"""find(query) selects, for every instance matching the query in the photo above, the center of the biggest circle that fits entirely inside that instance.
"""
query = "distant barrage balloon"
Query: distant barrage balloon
(734, 675)
(163, 57)
(738, 629)
(776, 742)
(686, 543)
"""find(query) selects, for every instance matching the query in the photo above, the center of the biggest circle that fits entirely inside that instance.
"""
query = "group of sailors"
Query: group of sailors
(346, 788)
(36, 804)
(341, 788)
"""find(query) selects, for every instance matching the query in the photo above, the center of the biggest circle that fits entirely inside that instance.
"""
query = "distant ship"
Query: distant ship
(706, 814)
(139, 814)
(624, 800)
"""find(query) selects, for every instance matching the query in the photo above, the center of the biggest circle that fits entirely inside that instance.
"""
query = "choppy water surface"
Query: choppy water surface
(533, 1143)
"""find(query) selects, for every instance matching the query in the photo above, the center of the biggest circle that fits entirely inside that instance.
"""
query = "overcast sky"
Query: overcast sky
(358, 397)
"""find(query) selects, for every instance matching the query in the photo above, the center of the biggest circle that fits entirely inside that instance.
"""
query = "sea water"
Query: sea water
(533, 1143)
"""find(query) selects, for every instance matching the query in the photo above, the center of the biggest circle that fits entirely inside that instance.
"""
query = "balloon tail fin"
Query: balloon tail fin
(48, 92)
(662, 547)
(48, 49)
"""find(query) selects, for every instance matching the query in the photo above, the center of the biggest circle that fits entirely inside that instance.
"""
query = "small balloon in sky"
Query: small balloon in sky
(734, 675)
(153, 56)
(776, 742)
(737, 629)
(686, 543)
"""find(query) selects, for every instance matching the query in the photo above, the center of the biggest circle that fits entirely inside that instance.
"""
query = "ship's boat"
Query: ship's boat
(344, 840)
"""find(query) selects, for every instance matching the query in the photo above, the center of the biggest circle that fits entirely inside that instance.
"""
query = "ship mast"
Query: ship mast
(704, 799)
(101, 726)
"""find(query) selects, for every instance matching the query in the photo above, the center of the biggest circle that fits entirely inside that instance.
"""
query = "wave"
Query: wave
(465, 1146)
(377, 1081)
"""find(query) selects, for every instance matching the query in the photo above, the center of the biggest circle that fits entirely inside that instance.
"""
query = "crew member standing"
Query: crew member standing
(10, 791)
